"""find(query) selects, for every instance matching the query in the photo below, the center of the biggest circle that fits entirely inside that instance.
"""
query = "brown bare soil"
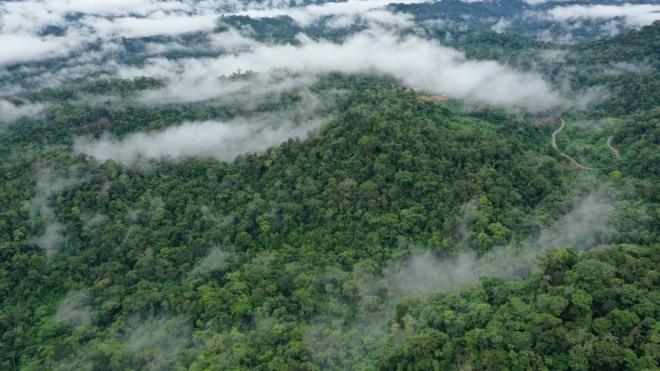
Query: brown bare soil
(433, 98)
(427, 97)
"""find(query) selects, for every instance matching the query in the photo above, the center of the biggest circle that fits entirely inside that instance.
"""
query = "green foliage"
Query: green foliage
(550, 321)
(278, 260)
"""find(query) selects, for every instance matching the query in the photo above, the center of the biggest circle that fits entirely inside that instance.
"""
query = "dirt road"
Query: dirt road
(571, 159)
(615, 151)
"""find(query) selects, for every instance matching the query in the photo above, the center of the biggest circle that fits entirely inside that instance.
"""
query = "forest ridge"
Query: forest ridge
(311, 185)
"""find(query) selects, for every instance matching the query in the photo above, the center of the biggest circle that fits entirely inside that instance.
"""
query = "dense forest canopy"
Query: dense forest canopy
(329, 185)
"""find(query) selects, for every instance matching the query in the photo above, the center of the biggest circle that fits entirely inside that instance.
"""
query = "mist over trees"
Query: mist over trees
(329, 185)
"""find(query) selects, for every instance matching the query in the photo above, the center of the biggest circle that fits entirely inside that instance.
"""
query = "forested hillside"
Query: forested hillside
(290, 192)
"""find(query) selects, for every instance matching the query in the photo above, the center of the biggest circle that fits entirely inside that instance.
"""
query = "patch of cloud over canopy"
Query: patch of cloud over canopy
(231, 41)
(539, 2)
(25, 48)
(151, 343)
(501, 25)
(78, 23)
(223, 141)
(582, 228)
(423, 273)
(30, 17)
(40, 13)
(371, 18)
(97, 7)
(202, 79)
(634, 14)
(158, 340)
(248, 93)
(162, 24)
(10, 112)
(52, 237)
(216, 259)
(346, 12)
(619, 68)
(49, 184)
(74, 309)
(417, 62)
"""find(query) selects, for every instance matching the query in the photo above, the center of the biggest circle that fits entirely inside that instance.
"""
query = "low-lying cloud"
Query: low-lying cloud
(22, 48)
(49, 184)
(422, 273)
(10, 111)
(584, 227)
(222, 141)
(416, 62)
(633, 14)
(215, 259)
(344, 13)
(35, 30)
(157, 340)
(145, 27)
(75, 310)
(196, 80)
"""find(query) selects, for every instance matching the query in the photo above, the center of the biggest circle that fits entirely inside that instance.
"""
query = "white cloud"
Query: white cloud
(231, 41)
(501, 25)
(157, 340)
(74, 310)
(20, 48)
(198, 82)
(144, 27)
(21, 24)
(584, 227)
(423, 273)
(10, 111)
(97, 7)
(216, 259)
(416, 62)
(369, 9)
(48, 184)
(223, 141)
(634, 14)
(539, 2)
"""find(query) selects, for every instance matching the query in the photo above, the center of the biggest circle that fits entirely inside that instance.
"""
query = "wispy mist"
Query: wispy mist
(74, 309)
(223, 141)
(587, 225)
(415, 61)
(343, 13)
(330, 339)
(215, 259)
(10, 112)
(157, 340)
(633, 14)
(50, 183)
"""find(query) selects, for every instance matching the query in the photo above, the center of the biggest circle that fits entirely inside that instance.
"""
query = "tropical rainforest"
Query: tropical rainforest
(309, 185)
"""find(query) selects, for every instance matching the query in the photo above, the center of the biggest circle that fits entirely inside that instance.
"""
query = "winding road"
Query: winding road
(615, 151)
(571, 159)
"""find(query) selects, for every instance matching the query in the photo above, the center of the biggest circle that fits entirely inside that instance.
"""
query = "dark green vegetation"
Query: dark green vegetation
(575, 313)
(283, 260)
